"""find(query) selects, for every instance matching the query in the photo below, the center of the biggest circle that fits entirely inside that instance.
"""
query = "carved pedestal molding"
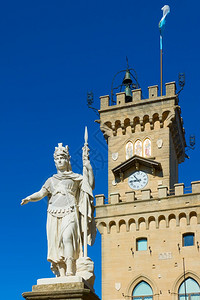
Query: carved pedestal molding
(61, 288)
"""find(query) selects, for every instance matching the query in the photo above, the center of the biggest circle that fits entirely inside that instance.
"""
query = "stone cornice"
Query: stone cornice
(136, 161)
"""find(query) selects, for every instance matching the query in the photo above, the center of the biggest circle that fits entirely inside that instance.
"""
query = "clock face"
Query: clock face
(138, 180)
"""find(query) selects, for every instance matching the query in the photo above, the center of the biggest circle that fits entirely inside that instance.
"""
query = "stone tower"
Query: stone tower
(150, 228)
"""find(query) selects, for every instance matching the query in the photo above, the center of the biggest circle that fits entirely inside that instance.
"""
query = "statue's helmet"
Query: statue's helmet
(60, 150)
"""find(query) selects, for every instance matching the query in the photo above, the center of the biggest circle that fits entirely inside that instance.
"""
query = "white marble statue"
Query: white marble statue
(69, 215)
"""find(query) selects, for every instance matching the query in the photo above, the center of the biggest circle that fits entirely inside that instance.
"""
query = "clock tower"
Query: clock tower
(150, 227)
(146, 141)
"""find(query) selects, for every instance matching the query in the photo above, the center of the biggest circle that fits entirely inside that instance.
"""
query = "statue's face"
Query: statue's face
(61, 162)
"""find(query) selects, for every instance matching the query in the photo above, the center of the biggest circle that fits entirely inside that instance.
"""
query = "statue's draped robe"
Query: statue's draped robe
(65, 209)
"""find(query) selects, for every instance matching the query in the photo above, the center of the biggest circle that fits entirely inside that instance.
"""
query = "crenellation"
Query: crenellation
(170, 88)
(179, 189)
(195, 186)
(120, 98)
(162, 191)
(114, 198)
(136, 95)
(100, 200)
(146, 194)
(104, 100)
(153, 91)
(130, 196)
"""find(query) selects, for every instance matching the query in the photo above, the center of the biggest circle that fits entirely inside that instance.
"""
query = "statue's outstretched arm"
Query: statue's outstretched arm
(35, 197)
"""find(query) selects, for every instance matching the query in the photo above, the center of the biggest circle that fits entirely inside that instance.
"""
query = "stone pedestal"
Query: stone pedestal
(61, 288)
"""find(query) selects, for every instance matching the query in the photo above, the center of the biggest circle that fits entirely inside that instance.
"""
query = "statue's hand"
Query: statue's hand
(25, 201)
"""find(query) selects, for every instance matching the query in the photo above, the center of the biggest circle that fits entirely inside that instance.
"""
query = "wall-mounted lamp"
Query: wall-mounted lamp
(179, 248)
(132, 252)
(150, 251)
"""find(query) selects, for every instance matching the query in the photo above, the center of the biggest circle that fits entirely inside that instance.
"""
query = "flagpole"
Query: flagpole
(161, 25)
(161, 67)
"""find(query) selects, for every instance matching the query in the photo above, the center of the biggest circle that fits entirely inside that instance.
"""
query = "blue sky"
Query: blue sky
(51, 54)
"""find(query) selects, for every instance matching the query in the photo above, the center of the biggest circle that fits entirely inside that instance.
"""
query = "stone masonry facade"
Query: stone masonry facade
(161, 213)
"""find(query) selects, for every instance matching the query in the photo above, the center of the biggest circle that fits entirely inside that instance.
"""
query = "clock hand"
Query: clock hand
(137, 178)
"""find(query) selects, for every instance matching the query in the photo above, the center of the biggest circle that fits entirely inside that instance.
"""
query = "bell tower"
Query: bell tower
(145, 135)
(150, 227)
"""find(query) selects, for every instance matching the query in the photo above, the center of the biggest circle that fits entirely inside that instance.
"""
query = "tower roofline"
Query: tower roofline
(137, 97)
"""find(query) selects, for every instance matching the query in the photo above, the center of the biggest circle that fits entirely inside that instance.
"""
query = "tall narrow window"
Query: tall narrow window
(129, 150)
(141, 244)
(147, 148)
(189, 289)
(142, 291)
(188, 239)
(138, 148)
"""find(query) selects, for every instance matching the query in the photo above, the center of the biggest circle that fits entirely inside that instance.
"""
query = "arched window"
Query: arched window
(138, 148)
(189, 289)
(142, 291)
(129, 150)
(147, 148)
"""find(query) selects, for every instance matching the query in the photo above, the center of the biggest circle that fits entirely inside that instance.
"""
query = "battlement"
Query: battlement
(162, 192)
(146, 209)
(137, 96)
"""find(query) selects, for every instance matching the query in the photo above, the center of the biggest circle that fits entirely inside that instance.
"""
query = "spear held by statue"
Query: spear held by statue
(89, 228)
